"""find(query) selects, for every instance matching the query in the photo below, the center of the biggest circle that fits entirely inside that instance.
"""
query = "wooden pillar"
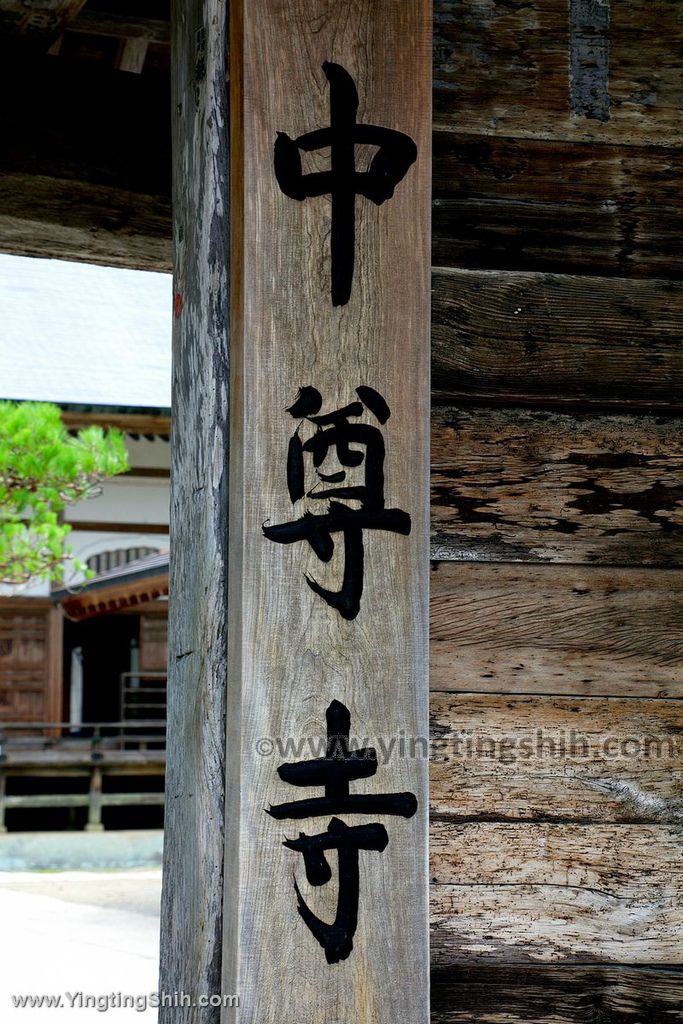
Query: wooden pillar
(55, 684)
(94, 823)
(326, 878)
(192, 918)
(3, 794)
(312, 649)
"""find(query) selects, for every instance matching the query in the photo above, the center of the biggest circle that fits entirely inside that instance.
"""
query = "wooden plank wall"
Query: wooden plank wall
(557, 505)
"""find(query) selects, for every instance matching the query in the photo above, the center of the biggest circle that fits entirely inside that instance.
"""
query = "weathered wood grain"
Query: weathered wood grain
(556, 629)
(548, 338)
(505, 69)
(191, 917)
(572, 207)
(577, 174)
(511, 190)
(562, 759)
(291, 654)
(542, 994)
(610, 861)
(500, 202)
(589, 22)
(493, 234)
(30, 660)
(533, 485)
(72, 220)
(556, 893)
(85, 164)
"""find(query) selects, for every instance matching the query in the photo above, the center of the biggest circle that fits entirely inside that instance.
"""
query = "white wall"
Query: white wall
(126, 499)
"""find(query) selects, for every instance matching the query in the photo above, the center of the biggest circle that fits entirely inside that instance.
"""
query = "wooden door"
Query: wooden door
(30, 661)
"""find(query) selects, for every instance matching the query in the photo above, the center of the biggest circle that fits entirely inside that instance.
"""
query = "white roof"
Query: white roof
(78, 334)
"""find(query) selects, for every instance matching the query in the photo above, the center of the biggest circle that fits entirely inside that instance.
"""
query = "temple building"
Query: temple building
(88, 660)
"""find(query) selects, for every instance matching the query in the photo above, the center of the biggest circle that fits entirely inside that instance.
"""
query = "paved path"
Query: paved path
(66, 933)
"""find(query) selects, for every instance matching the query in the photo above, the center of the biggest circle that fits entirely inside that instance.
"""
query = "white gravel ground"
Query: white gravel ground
(78, 934)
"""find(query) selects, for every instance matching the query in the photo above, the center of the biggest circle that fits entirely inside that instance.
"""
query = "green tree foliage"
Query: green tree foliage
(42, 470)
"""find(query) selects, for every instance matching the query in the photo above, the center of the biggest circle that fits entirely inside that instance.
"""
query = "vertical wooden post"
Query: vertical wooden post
(3, 793)
(191, 922)
(94, 823)
(54, 693)
(326, 845)
(300, 675)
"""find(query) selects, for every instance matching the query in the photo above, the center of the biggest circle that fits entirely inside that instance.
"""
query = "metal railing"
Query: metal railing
(137, 695)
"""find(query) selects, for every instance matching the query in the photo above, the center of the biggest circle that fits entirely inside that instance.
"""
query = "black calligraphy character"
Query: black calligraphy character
(335, 432)
(334, 772)
(389, 165)
(336, 938)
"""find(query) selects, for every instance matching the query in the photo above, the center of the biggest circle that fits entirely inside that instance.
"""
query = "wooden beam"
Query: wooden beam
(555, 205)
(504, 69)
(540, 486)
(86, 165)
(521, 993)
(129, 423)
(104, 526)
(121, 26)
(563, 893)
(73, 220)
(131, 56)
(38, 24)
(76, 763)
(555, 759)
(557, 339)
(557, 629)
(75, 122)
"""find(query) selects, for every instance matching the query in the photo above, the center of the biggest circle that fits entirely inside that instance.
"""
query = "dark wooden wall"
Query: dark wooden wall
(557, 601)
(557, 496)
